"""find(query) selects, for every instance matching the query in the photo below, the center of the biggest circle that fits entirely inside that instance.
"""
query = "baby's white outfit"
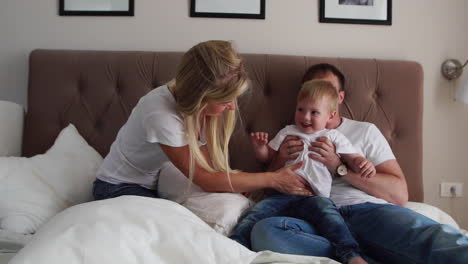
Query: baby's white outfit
(314, 171)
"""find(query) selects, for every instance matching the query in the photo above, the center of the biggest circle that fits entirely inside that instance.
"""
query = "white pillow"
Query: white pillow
(32, 190)
(219, 210)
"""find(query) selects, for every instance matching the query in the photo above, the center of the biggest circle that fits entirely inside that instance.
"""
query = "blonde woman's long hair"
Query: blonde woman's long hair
(210, 71)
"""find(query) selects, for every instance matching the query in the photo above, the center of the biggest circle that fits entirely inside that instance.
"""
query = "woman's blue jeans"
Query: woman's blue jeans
(104, 190)
(319, 211)
(386, 233)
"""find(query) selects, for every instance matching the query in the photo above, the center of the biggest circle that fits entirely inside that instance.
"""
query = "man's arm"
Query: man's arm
(389, 183)
(359, 164)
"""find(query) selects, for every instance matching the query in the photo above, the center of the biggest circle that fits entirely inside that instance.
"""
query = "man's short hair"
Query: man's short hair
(321, 69)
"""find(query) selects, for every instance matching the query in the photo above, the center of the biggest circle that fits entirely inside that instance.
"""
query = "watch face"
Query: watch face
(342, 170)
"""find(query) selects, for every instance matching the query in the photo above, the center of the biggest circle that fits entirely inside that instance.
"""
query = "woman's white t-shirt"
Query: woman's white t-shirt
(136, 156)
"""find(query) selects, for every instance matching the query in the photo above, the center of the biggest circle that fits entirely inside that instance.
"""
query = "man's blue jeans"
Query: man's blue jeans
(319, 211)
(386, 233)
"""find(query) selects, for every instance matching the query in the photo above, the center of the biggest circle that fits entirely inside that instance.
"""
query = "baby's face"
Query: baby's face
(312, 115)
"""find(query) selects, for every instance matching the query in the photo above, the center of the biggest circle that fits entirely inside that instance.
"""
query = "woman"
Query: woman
(188, 122)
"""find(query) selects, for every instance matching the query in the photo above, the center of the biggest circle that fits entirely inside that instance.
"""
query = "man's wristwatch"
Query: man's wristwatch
(341, 171)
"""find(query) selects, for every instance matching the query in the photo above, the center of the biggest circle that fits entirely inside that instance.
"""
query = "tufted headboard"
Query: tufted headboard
(96, 91)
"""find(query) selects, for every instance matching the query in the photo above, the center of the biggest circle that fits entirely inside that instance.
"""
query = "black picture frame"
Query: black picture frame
(64, 12)
(325, 17)
(197, 13)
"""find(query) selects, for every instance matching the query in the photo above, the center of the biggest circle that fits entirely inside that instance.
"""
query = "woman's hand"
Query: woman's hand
(287, 181)
(287, 151)
(326, 150)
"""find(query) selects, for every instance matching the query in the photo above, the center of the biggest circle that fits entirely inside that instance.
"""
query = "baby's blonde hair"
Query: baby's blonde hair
(318, 90)
(210, 71)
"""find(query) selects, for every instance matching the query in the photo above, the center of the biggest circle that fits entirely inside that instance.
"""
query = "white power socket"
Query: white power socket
(451, 189)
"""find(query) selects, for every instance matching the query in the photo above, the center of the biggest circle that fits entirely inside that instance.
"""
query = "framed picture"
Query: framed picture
(96, 7)
(377, 12)
(228, 8)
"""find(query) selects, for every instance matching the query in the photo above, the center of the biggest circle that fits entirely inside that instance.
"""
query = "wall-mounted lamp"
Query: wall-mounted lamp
(452, 69)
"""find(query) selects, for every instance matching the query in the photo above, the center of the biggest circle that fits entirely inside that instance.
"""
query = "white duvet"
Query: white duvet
(132, 229)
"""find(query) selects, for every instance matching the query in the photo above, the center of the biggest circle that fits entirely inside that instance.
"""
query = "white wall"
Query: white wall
(427, 31)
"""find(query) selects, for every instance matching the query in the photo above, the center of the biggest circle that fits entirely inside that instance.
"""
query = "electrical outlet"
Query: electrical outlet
(451, 189)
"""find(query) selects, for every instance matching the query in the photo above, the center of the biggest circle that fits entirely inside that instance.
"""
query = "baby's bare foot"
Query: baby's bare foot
(357, 260)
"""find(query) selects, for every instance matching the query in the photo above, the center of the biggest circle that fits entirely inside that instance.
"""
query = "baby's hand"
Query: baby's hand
(364, 166)
(259, 138)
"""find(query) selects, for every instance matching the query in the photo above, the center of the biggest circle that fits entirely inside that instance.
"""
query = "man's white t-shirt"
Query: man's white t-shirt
(315, 172)
(370, 143)
(136, 156)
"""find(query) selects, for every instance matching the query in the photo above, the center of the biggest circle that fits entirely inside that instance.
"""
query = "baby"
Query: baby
(317, 103)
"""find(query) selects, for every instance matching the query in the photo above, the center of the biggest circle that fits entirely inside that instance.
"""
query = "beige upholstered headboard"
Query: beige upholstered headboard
(96, 91)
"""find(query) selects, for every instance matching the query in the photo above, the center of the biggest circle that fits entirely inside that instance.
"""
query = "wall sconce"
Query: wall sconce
(452, 69)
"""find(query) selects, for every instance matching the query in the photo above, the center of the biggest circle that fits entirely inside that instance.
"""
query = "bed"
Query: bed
(95, 91)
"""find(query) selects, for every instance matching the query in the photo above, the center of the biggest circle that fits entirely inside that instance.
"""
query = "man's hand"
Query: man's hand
(287, 151)
(326, 151)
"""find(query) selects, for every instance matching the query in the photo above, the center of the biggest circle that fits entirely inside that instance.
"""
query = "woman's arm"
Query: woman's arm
(283, 180)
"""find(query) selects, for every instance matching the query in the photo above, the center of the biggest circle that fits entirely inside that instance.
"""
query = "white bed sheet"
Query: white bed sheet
(132, 229)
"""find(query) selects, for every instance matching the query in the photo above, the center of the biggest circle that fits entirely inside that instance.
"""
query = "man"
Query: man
(371, 208)
(389, 172)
